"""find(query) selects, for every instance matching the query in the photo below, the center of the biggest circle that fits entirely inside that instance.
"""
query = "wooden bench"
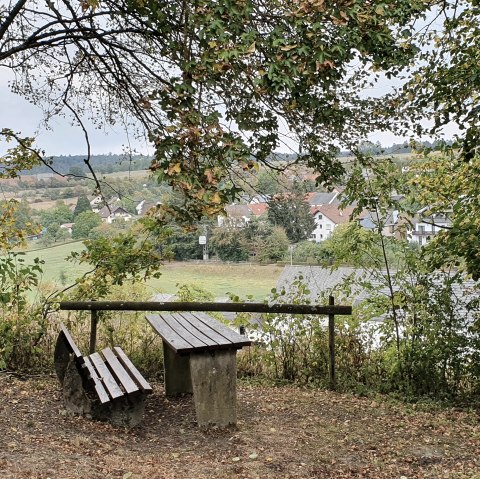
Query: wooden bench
(105, 385)
(200, 358)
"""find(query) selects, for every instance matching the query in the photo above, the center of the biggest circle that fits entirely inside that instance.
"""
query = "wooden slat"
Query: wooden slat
(182, 328)
(236, 340)
(92, 373)
(205, 330)
(171, 337)
(121, 375)
(133, 371)
(105, 375)
(70, 342)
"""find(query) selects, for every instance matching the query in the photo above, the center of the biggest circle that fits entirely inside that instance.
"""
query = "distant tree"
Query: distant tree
(76, 172)
(268, 182)
(311, 252)
(60, 214)
(292, 213)
(230, 244)
(273, 247)
(82, 205)
(184, 245)
(54, 234)
(84, 224)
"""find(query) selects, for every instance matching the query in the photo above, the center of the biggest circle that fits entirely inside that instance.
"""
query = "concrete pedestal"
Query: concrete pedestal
(177, 372)
(213, 378)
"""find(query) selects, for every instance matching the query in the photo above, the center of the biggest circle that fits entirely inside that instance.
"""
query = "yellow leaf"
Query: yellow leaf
(251, 48)
(216, 198)
(175, 168)
(287, 48)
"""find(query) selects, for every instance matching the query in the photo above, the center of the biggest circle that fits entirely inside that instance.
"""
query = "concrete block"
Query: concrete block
(214, 381)
(177, 372)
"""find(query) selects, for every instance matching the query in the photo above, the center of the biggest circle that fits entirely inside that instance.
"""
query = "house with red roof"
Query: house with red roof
(327, 218)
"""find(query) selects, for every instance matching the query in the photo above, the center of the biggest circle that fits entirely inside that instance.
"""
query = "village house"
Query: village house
(327, 218)
(238, 216)
(114, 214)
(425, 226)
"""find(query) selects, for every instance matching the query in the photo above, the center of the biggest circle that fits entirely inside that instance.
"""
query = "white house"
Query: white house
(114, 214)
(327, 218)
(144, 206)
(238, 216)
(426, 228)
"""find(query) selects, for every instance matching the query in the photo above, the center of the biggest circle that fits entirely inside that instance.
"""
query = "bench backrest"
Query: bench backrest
(70, 343)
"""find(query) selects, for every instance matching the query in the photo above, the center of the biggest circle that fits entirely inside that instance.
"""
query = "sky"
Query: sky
(64, 138)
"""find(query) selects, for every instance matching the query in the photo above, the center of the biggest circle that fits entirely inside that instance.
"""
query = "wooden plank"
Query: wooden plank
(232, 338)
(106, 376)
(102, 393)
(183, 329)
(120, 373)
(171, 337)
(70, 342)
(205, 330)
(133, 371)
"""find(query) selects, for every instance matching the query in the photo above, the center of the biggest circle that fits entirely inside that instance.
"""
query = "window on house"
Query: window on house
(421, 228)
(328, 227)
(319, 217)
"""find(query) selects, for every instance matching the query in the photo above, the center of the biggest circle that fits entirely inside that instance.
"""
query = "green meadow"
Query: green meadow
(218, 278)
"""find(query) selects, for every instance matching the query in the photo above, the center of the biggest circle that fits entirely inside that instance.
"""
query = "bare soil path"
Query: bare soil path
(282, 433)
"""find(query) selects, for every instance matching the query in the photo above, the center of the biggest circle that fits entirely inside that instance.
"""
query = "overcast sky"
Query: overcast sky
(63, 139)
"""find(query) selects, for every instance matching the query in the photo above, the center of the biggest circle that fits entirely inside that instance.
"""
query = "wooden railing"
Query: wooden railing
(331, 310)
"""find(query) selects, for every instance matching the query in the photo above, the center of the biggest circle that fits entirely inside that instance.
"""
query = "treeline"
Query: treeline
(75, 164)
(112, 163)
(395, 149)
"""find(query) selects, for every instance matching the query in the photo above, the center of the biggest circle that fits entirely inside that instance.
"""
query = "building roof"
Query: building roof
(325, 280)
(106, 211)
(321, 198)
(258, 209)
(238, 211)
(144, 206)
(334, 213)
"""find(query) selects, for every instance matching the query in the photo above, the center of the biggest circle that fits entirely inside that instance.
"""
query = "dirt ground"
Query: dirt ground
(281, 433)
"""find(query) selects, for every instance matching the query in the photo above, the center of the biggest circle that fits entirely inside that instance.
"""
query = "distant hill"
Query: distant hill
(75, 164)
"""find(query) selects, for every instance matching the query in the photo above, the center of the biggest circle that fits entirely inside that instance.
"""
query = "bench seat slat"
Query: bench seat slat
(107, 379)
(201, 328)
(231, 337)
(93, 376)
(132, 370)
(171, 337)
(182, 327)
(121, 375)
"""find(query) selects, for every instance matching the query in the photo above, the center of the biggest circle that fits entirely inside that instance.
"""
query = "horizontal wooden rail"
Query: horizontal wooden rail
(331, 310)
(205, 306)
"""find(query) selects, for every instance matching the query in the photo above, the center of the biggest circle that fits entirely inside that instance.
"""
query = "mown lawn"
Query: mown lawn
(218, 278)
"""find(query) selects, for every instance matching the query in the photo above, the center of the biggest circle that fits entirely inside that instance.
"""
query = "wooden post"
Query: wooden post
(93, 330)
(331, 344)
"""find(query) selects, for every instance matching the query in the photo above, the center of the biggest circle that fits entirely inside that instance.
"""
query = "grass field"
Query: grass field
(217, 278)
(220, 279)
